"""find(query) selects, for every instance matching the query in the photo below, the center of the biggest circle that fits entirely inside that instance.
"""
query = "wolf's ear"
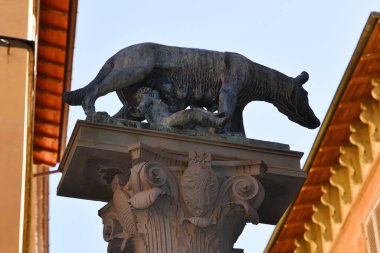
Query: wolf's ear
(302, 78)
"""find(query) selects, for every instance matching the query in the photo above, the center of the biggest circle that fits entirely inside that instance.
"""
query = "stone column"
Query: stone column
(168, 193)
(172, 204)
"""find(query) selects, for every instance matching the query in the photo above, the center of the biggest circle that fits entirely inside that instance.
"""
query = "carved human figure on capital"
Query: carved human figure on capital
(184, 77)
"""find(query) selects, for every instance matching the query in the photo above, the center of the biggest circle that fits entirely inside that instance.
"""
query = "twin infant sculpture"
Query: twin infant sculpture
(192, 88)
(157, 113)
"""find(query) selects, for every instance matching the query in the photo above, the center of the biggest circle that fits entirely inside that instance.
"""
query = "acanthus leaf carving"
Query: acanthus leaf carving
(112, 228)
(249, 212)
(200, 221)
(120, 202)
(145, 199)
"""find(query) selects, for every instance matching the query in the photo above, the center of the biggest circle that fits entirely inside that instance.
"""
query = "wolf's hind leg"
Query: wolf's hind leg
(116, 80)
(88, 102)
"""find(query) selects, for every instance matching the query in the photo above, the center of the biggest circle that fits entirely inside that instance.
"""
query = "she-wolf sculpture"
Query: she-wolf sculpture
(222, 81)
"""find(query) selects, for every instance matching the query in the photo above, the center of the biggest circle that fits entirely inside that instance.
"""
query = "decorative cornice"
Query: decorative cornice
(347, 175)
(346, 180)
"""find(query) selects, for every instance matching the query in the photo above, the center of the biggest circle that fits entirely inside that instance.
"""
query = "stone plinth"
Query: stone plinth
(175, 193)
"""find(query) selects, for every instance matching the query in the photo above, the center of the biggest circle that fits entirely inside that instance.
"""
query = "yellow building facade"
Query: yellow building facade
(36, 47)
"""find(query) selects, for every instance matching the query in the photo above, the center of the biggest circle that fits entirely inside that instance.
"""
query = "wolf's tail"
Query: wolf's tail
(76, 97)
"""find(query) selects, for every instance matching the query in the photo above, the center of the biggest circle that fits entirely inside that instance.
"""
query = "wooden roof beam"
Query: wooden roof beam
(328, 148)
(50, 85)
(338, 126)
(47, 129)
(319, 168)
(54, 18)
(48, 115)
(46, 143)
(47, 44)
(292, 224)
(49, 7)
(43, 156)
(370, 56)
(45, 61)
(58, 5)
(362, 79)
(53, 27)
(311, 187)
(286, 241)
(49, 100)
(302, 206)
(349, 104)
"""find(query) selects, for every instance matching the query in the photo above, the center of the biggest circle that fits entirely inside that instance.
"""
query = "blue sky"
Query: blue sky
(289, 36)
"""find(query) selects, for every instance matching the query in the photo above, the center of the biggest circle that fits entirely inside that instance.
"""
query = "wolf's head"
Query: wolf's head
(297, 107)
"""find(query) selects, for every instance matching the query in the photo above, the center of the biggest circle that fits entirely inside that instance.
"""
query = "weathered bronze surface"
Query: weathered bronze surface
(221, 81)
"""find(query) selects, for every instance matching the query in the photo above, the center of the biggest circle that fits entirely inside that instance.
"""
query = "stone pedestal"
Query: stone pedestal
(174, 193)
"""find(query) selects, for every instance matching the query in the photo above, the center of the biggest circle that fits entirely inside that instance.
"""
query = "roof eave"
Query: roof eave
(73, 9)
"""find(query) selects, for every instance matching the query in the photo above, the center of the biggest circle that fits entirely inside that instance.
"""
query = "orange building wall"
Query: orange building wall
(351, 237)
(13, 137)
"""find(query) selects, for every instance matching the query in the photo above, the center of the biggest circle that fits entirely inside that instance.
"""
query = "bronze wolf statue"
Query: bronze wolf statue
(222, 81)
